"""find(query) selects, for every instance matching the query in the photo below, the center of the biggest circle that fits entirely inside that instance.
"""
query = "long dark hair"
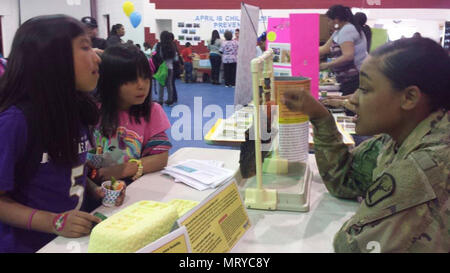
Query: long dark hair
(115, 28)
(417, 62)
(343, 14)
(360, 18)
(121, 64)
(214, 36)
(167, 46)
(41, 72)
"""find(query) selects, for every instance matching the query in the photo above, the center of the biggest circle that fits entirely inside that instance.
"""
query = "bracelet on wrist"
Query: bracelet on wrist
(30, 218)
(139, 170)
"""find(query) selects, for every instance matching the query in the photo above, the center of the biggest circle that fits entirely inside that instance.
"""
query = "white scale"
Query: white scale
(274, 189)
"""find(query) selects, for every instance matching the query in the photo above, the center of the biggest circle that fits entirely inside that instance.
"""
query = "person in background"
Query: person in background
(98, 44)
(229, 51)
(138, 46)
(215, 56)
(147, 49)
(417, 35)
(261, 44)
(347, 47)
(44, 125)
(167, 51)
(178, 66)
(236, 34)
(401, 175)
(130, 140)
(187, 55)
(115, 36)
(361, 19)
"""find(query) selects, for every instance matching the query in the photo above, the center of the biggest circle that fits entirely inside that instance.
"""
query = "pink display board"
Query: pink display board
(295, 41)
(278, 32)
(305, 48)
(281, 26)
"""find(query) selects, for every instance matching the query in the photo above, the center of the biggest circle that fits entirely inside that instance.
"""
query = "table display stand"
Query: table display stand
(283, 185)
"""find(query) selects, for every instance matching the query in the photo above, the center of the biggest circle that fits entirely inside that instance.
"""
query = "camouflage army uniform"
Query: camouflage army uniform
(405, 189)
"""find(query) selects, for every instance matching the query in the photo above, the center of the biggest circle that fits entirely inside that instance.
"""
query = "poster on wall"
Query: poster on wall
(281, 54)
(279, 40)
(187, 32)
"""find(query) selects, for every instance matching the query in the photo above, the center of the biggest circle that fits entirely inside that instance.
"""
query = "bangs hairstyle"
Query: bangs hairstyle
(417, 62)
(121, 64)
(41, 72)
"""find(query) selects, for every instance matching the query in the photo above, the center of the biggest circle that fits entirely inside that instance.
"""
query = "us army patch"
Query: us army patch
(382, 188)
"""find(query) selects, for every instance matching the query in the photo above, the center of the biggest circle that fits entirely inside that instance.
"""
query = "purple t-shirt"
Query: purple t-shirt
(52, 188)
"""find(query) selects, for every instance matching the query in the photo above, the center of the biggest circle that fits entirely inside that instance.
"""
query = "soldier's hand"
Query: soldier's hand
(303, 101)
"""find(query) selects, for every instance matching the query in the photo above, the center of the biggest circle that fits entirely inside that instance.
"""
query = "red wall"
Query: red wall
(298, 4)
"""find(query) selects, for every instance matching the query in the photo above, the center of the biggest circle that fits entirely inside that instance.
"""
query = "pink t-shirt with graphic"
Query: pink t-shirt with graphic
(132, 140)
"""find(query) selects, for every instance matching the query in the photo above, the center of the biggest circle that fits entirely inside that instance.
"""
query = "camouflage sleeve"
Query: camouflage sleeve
(404, 210)
(346, 174)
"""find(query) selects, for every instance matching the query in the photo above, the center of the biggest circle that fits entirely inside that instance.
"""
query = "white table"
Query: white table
(271, 231)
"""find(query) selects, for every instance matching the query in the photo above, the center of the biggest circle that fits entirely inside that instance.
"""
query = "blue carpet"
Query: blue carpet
(190, 124)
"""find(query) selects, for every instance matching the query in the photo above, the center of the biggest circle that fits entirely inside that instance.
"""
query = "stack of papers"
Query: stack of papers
(200, 174)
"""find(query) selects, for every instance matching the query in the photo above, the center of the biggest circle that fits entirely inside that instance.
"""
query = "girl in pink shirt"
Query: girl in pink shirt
(130, 139)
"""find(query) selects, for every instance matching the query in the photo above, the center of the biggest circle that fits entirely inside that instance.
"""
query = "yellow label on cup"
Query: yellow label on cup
(287, 116)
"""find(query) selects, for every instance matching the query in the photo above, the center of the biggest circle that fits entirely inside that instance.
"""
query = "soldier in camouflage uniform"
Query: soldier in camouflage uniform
(403, 174)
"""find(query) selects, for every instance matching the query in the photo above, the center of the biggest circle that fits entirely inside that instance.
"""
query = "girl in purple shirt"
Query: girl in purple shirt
(45, 114)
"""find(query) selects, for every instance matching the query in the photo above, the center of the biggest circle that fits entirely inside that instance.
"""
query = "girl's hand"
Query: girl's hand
(74, 223)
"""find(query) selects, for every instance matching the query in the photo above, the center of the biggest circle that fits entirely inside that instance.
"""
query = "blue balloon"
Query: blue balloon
(135, 19)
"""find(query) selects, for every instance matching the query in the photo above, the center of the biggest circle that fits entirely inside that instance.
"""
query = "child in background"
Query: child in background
(131, 138)
(187, 58)
(45, 111)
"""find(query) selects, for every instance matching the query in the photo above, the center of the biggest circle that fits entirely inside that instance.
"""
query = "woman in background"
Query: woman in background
(215, 56)
(361, 19)
(168, 53)
(115, 37)
(347, 47)
(229, 51)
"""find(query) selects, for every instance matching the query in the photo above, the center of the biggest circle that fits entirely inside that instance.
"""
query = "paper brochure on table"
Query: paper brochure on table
(175, 242)
(217, 223)
(200, 174)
